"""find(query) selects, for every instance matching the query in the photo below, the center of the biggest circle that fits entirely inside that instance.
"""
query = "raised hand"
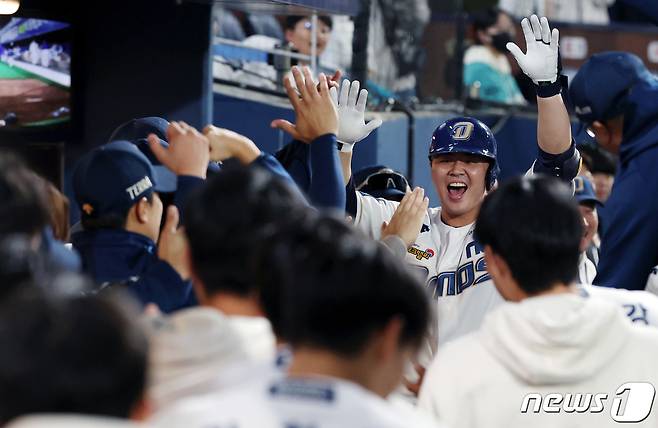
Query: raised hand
(188, 152)
(225, 144)
(408, 217)
(351, 105)
(315, 113)
(540, 61)
(172, 245)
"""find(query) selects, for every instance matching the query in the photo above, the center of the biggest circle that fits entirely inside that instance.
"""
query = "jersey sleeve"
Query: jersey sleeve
(371, 213)
(564, 166)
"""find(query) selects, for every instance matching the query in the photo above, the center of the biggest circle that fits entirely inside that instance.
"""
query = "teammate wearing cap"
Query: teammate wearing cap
(117, 190)
(615, 97)
(463, 159)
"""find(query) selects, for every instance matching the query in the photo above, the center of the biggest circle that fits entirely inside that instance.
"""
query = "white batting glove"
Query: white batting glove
(351, 105)
(540, 62)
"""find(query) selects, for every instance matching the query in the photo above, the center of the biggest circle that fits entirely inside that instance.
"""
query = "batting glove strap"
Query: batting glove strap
(548, 89)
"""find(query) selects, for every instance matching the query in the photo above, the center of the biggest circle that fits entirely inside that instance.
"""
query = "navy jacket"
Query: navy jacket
(316, 170)
(114, 257)
(629, 245)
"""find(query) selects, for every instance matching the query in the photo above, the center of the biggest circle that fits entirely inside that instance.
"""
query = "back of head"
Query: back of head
(534, 224)
(22, 198)
(227, 220)
(324, 286)
(69, 355)
(599, 89)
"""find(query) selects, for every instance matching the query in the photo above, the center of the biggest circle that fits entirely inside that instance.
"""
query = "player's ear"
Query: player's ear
(142, 210)
(389, 339)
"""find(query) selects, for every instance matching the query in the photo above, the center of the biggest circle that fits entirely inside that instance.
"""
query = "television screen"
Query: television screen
(35, 72)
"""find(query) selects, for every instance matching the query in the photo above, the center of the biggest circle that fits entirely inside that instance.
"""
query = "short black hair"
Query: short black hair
(69, 355)
(535, 225)
(292, 20)
(325, 286)
(113, 220)
(24, 207)
(226, 221)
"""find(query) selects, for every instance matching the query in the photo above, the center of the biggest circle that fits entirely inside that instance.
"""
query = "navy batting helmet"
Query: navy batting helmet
(467, 135)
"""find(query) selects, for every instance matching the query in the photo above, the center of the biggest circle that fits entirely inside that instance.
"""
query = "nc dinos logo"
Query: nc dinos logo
(462, 130)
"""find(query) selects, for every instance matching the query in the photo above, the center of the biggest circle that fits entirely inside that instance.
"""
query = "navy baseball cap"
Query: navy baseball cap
(381, 182)
(599, 90)
(112, 178)
(137, 131)
(584, 191)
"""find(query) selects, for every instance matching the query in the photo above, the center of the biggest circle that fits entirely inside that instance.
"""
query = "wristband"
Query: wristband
(548, 89)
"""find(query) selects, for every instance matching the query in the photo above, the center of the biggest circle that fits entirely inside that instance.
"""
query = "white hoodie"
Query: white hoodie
(550, 344)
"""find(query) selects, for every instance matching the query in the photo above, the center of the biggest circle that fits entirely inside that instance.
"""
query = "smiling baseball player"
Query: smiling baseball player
(463, 160)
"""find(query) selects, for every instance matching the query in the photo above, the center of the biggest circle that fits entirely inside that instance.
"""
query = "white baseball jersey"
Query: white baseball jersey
(449, 261)
(641, 307)
(285, 402)
(652, 282)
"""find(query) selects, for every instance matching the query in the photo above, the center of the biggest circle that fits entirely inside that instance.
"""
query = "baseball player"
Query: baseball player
(463, 160)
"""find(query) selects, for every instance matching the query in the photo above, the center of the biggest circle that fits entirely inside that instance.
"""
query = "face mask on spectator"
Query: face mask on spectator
(500, 40)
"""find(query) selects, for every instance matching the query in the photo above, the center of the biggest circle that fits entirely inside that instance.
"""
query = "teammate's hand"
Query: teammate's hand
(226, 144)
(188, 152)
(315, 113)
(414, 387)
(351, 105)
(408, 217)
(540, 62)
(172, 245)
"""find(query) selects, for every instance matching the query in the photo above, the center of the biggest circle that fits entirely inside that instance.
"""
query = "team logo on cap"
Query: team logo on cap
(139, 187)
(462, 130)
(579, 184)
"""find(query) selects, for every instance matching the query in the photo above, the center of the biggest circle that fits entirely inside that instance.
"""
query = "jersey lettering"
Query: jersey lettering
(637, 313)
(453, 283)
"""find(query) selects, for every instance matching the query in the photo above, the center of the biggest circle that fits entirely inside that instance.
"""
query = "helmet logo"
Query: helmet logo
(462, 130)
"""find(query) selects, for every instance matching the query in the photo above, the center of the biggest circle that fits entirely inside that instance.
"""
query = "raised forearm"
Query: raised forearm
(553, 125)
(346, 164)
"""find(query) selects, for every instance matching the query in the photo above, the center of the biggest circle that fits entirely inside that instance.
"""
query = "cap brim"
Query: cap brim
(165, 180)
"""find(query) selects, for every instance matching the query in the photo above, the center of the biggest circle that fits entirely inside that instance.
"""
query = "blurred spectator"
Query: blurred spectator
(614, 95)
(342, 366)
(27, 210)
(548, 338)
(487, 71)
(590, 242)
(226, 25)
(192, 352)
(224, 243)
(298, 33)
(603, 168)
(394, 46)
(69, 360)
(577, 11)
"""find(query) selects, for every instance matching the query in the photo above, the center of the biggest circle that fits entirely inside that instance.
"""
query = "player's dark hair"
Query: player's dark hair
(69, 355)
(113, 220)
(227, 220)
(22, 198)
(534, 224)
(325, 286)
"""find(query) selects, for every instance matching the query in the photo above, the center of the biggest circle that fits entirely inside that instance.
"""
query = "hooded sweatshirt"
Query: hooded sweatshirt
(629, 244)
(565, 344)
